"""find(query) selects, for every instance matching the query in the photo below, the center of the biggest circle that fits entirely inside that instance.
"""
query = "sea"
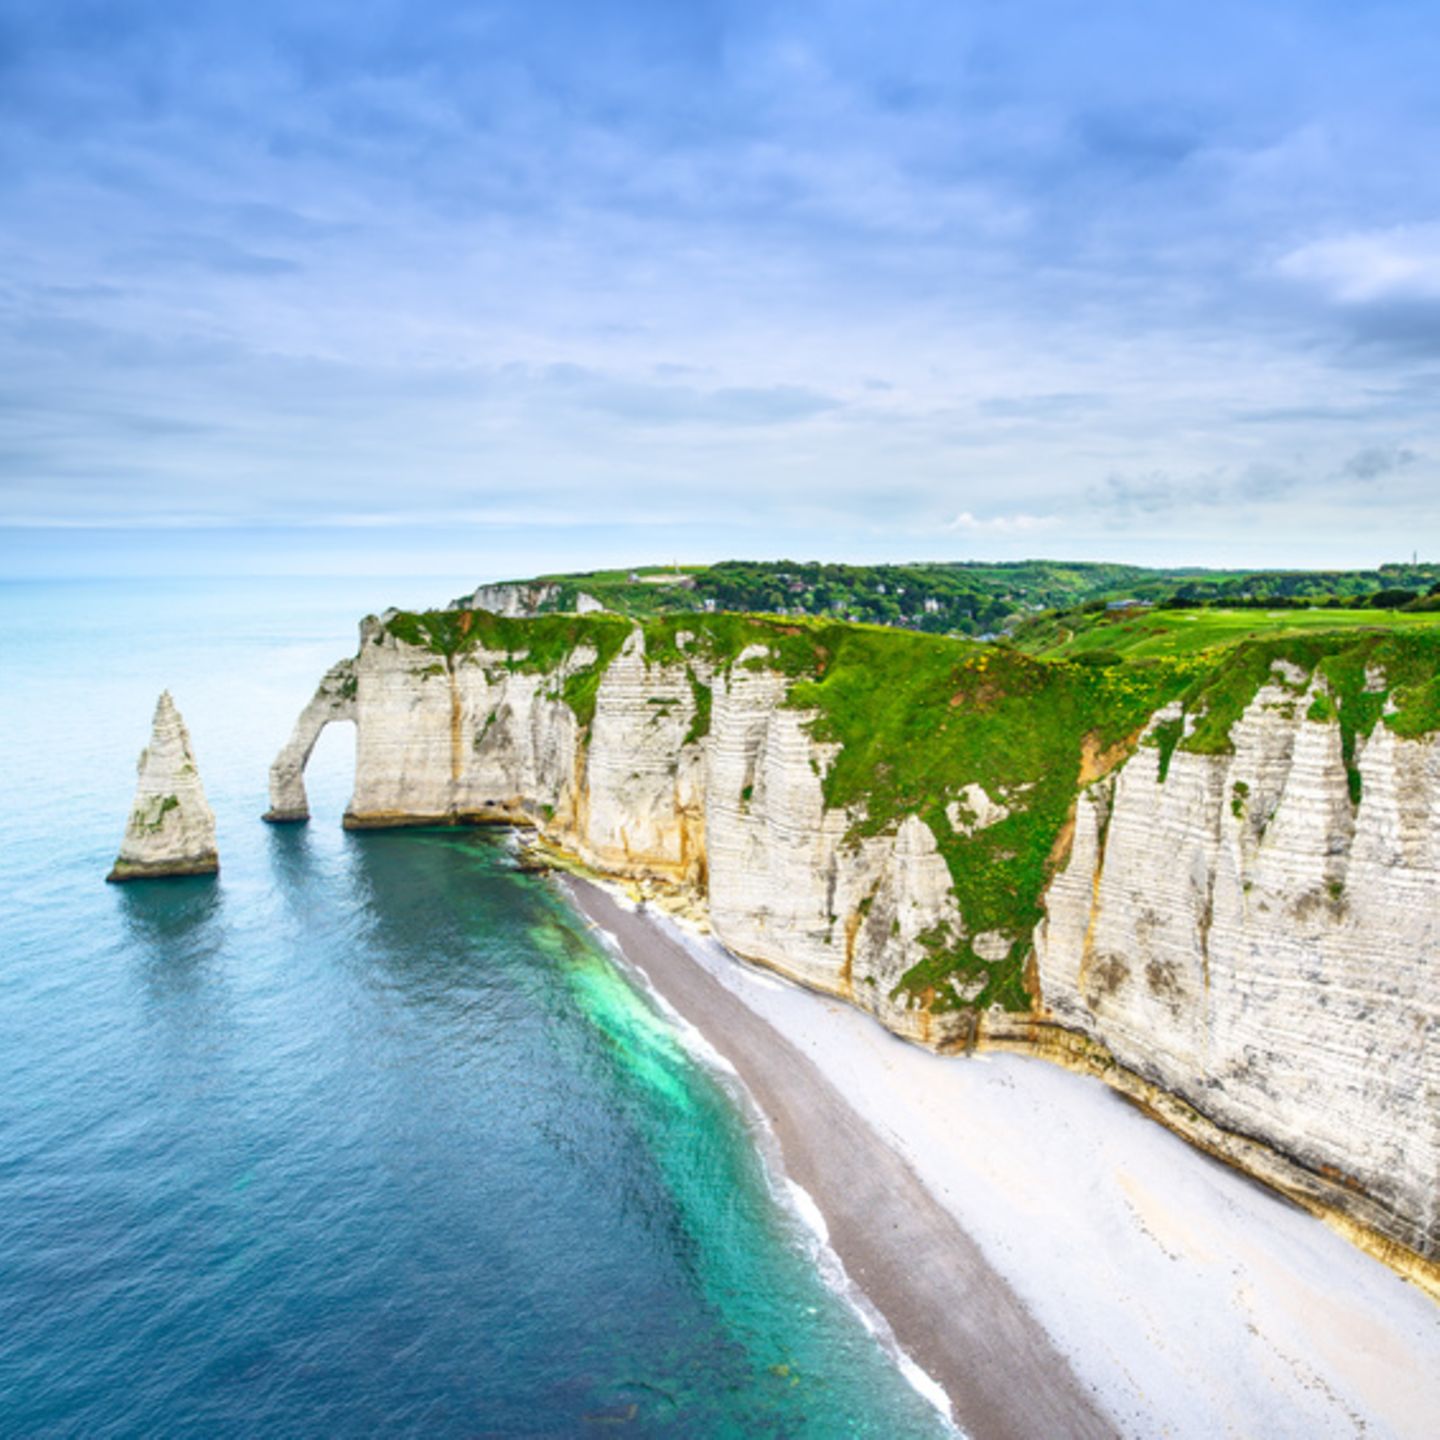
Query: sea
(370, 1135)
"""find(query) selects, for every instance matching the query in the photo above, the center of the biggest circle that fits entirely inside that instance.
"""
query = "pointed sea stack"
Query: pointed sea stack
(172, 827)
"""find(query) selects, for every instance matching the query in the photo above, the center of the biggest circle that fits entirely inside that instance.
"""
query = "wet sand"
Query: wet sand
(949, 1308)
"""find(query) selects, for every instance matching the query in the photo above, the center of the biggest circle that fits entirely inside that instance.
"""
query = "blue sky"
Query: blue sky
(489, 289)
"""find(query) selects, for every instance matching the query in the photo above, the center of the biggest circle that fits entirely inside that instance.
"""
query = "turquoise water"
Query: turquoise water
(369, 1136)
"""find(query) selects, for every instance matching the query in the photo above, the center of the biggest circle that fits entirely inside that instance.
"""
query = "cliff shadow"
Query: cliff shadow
(292, 855)
(177, 925)
(434, 903)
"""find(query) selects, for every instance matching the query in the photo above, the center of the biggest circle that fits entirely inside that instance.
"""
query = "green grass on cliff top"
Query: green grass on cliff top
(1360, 678)
(1161, 633)
(542, 644)
(916, 718)
(919, 722)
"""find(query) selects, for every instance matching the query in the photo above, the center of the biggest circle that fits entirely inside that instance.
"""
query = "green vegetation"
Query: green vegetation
(539, 646)
(916, 718)
(1141, 633)
(970, 598)
(1387, 586)
(152, 816)
(704, 697)
(792, 647)
(1165, 737)
(1363, 676)
(483, 731)
(943, 598)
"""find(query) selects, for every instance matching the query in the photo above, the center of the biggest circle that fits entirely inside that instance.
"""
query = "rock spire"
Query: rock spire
(171, 830)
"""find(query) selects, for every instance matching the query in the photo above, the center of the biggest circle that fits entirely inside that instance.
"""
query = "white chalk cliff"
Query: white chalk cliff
(171, 830)
(1255, 944)
(1242, 948)
(523, 598)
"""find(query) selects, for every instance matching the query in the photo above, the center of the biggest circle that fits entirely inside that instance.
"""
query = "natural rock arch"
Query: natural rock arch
(334, 699)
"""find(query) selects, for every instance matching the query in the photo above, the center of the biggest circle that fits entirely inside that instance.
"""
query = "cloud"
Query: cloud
(1140, 140)
(1394, 330)
(1150, 493)
(1158, 492)
(1375, 461)
(1265, 480)
(1370, 266)
(1307, 416)
(1000, 524)
(839, 268)
(1382, 286)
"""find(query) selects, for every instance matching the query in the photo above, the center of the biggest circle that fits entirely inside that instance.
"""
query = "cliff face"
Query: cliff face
(511, 599)
(524, 599)
(1241, 946)
(1248, 939)
(171, 829)
(729, 805)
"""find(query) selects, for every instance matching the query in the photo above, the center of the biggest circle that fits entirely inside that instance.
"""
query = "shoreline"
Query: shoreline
(1156, 1289)
(1329, 1196)
(997, 1366)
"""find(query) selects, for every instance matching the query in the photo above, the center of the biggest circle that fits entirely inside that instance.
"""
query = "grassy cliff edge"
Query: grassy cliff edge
(988, 746)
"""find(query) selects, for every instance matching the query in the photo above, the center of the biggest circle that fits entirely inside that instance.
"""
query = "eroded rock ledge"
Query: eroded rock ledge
(1216, 884)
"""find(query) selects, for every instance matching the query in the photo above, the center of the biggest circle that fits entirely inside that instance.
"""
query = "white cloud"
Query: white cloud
(1368, 265)
(1000, 524)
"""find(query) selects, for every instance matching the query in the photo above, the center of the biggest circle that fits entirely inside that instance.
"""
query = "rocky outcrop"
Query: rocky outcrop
(334, 699)
(171, 830)
(1240, 946)
(510, 599)
(524, 599)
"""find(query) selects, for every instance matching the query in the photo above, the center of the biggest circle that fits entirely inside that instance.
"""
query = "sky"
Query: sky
(383, 287)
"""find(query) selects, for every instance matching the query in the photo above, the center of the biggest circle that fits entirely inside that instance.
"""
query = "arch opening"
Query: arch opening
(334, 699)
